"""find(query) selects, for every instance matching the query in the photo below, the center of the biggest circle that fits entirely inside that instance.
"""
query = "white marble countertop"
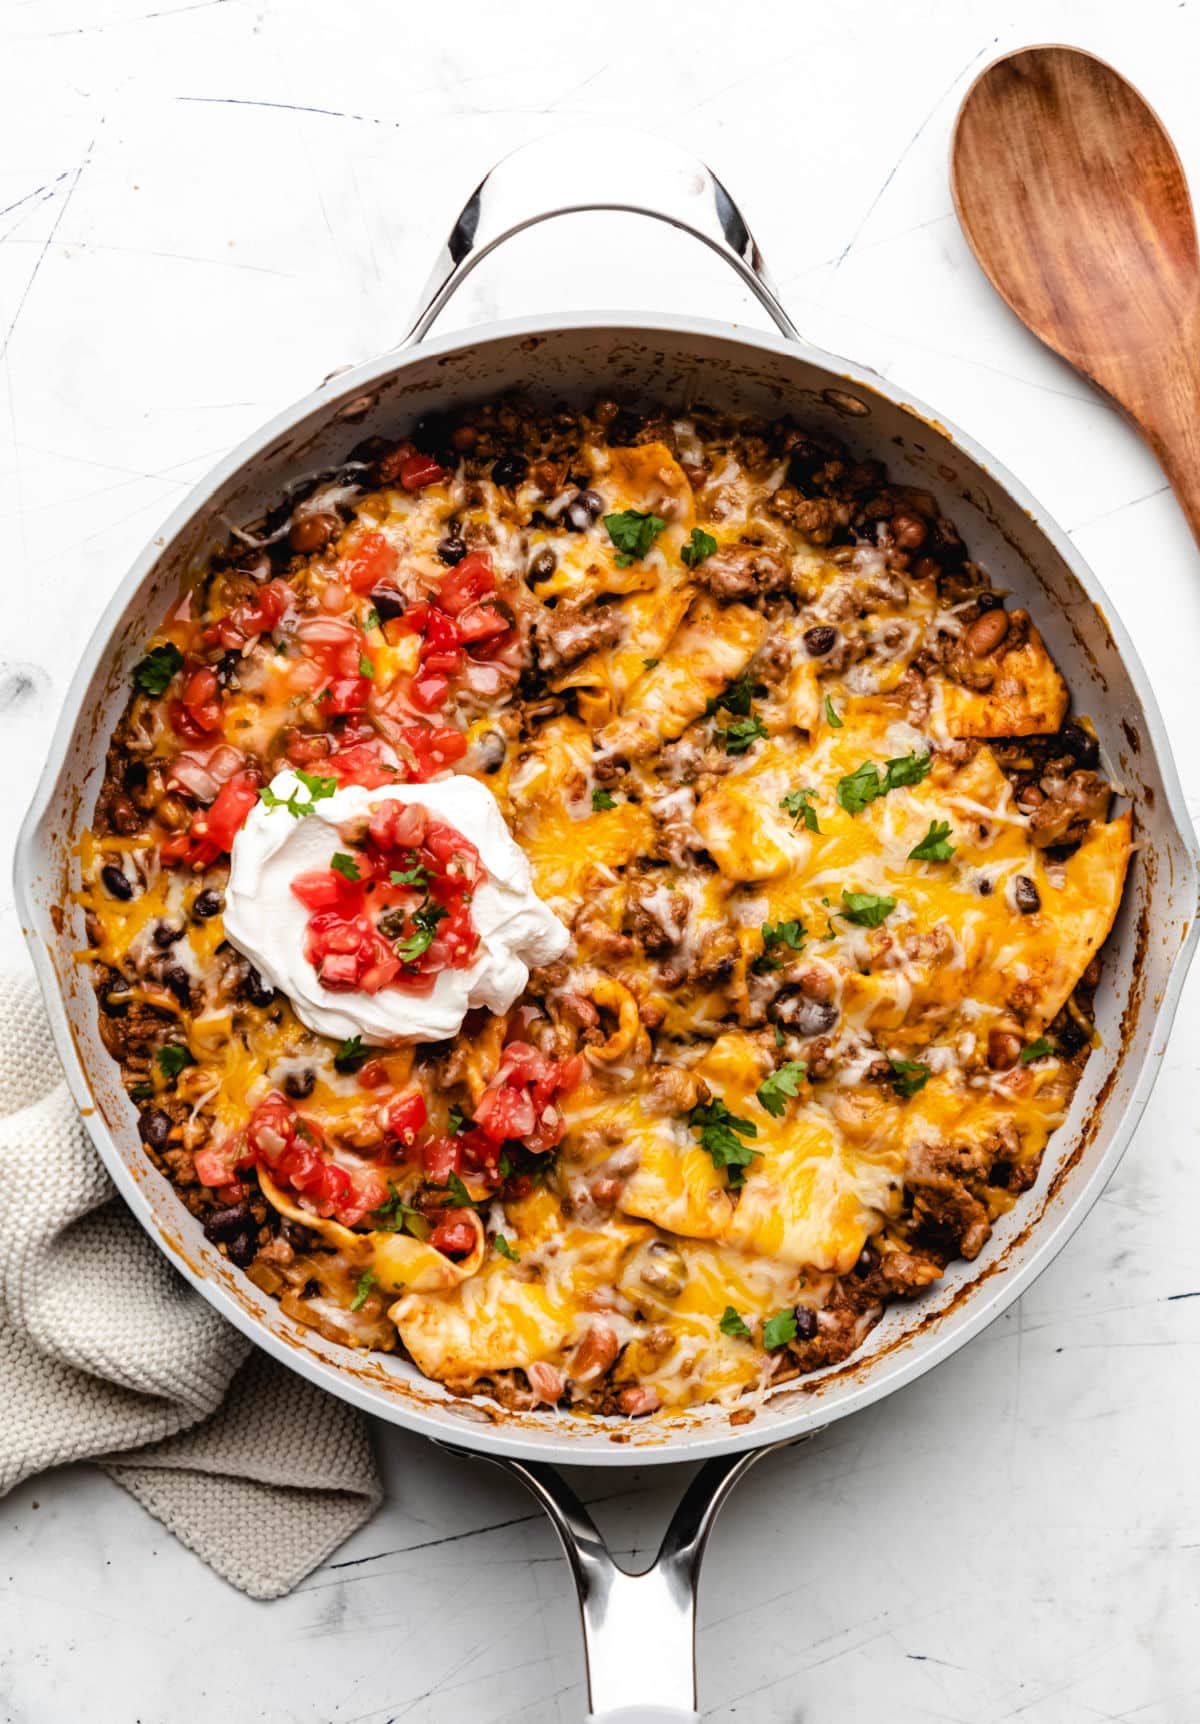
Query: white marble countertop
(204, 208)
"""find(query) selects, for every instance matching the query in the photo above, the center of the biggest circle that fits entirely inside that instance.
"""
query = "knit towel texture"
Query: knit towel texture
(107, 1354)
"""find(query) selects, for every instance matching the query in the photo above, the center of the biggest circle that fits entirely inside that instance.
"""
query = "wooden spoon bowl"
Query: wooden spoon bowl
(1075, 204)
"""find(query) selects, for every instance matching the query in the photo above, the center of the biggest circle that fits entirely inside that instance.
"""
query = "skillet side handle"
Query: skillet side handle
(597, 169)
(639, 1630)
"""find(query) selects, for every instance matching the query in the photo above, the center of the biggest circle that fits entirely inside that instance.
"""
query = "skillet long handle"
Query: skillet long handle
(596, 169)
(639, 1630)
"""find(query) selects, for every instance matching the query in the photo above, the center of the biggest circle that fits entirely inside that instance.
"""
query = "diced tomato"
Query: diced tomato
(519, 1101)
(373, 1075)
(503, 1112)
(303, 748)
(444, 661)
(419, 470)
(458, 857)
(221, 823)
(481, 623)
(454, 1235)
(398, 825)
(202, 699)
(373, 559)
(363, 763)
(467, 581)
(441, 1158)
(391, 463)
(345, 694)
(429, 692)
(340, 970)
(216, 1166)
(325, 889)
(407, 1116)
(433, 747)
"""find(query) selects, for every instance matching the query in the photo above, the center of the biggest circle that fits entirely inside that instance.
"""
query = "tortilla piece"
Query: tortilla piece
(1027, 698)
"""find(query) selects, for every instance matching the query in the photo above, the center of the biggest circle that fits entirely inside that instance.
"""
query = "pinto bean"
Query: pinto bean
(312, 532)
(636, 1401)
(909, 531)
(546, 1382)
(595, 1353)
(123, 816)
(986, 633)
(1004, 1049)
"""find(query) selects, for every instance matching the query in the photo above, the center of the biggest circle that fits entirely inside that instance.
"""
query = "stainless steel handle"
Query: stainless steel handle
(639, 1630)
(569, 172)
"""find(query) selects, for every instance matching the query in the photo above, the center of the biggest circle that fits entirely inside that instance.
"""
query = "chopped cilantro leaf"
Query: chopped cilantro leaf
(425, 921)
(859, 787)
(505, 1249)
(865, 783)
(365, 1283)
(623, 559)
(173, 1058)
(156, 670)
(908, 1076)
(318, 790)
(141, 1092)
(798, 803)
(602, 801)
(351, 1054)
(909, 769)
(458, 1120)
(396, 1216)
(779, 1330)
(371, 620)
(415, 876)
(738, 696)
(633, 532)
(789, 934)
(934, 847)
(741, 734)
(720, 1132)
(699, 546)
(458, 1190)
(778, 1036)
(649, 663)
(867, 909)
(831, 717)
(775, 1090)
(732, 1324)
(345, 865)
(366, 667)
(1037, 1050)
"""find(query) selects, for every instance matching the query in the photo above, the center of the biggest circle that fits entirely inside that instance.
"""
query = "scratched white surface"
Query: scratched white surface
(203, 209)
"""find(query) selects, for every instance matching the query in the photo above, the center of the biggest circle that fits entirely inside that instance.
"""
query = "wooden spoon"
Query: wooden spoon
(1074, 201)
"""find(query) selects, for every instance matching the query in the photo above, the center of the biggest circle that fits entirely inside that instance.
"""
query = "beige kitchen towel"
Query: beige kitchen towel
(107, 1354)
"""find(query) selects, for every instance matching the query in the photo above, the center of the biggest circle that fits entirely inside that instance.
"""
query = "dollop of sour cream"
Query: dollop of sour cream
(267, 922)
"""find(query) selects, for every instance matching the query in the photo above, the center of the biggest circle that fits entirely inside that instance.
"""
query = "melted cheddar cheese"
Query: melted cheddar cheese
(836, 866)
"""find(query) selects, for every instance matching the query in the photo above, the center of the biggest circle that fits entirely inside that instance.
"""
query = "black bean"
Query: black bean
(450, 550)
(243, 1248)
(509, 470)
(108, 1005)
(806, 1323)
(542, 565)
(984, 886)
(228, 670)
(490, 749)
(388, 603)
(166, 934)
(868, 1259)
(1025, 895)
(1076, 741)
(576, 517)
(820, 640)
(593, 502)
(207, 904)
(225, 1224)
(806, 1017)
(179, 982)
(254, 989)
(300, 1084)
(154, 1127)
(115, 882)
